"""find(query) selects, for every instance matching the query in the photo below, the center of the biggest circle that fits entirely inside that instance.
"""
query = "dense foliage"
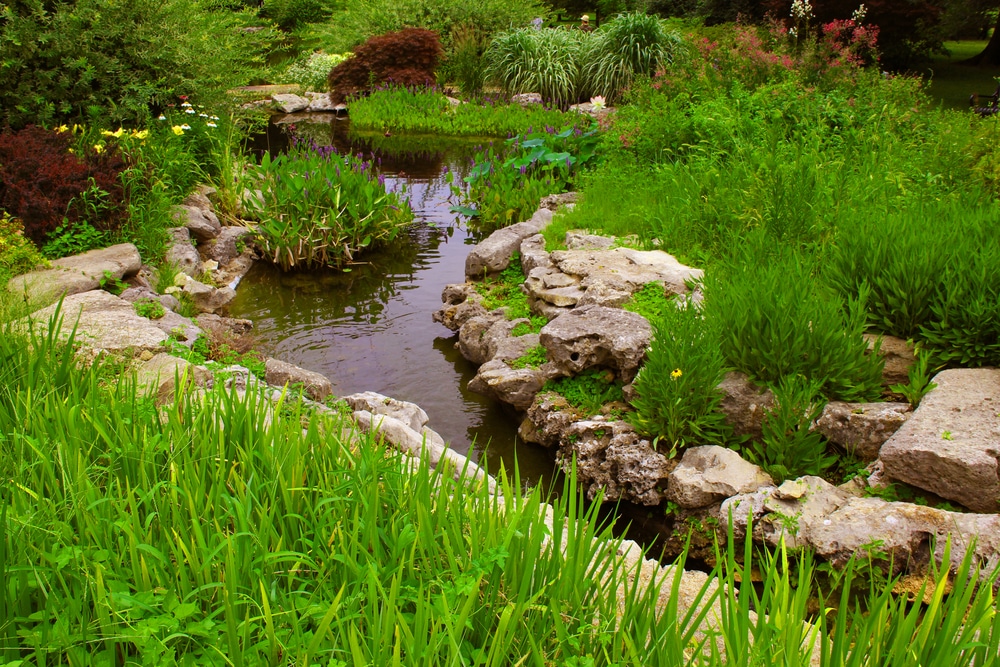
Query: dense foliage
(405, 58)
(118, 60)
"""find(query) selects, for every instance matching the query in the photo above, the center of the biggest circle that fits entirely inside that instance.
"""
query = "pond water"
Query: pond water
(370, 329)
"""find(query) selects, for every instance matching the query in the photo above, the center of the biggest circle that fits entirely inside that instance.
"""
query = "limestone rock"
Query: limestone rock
(951, 444)
(410, 414)
(180, 328)
(533, 254)
(710, 474)
(493, 254)
(461, 303)
(612, 458)
(208, 299)
(578, 240)
(182, 253)
(591, 336)
(224, 325)
(547, 419)
(861, 428)
(321, 102)
(479, 336)
(744, 404)
(76, 274)
(558, 200)
(201, 198)
(288, 103)
(527, 99)
(899, 358)
(516, 387)
(202, 224)
(160, 374)
(227, 246)
(281, 373)
(103, 322)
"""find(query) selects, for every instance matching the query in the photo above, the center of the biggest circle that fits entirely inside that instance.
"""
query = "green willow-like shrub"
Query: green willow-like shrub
(777, 320)
(677, 396)
(318, 208)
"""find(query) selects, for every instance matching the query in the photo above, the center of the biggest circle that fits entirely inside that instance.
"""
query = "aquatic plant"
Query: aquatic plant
(319, 208)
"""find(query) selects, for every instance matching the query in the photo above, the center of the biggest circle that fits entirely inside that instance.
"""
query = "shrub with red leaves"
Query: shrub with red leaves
(404, 58)
(41, 181)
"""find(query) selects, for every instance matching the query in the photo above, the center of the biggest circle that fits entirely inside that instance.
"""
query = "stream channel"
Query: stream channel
(370, 329)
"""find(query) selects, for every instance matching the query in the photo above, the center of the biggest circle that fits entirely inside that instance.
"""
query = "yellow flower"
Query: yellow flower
(140, 134)
(76, 128)
(119, 133)
(107, 133)
(676, 373)
(98, 148)
(178, 129)
(61, 129)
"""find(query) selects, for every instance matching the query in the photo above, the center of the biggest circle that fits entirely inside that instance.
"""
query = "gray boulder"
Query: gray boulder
(527, 99)
(951, 444)
(592, 336)
(899, 358)
(288, 103)
(494, 253)
(744, 404)
(76, 274)
(159, 376)
(410, 414)
(182, 253)
(202, 223)
(224, 325)
(533, 254)
(861, 428)
(710, 474)
(280, 373)
(611, 458)
(461, 303)
(480, 336)
(559, 200)
(547, 419)
(227, 246)
(516, 387)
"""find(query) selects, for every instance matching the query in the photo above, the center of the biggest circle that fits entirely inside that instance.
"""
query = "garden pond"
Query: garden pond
(370, 328)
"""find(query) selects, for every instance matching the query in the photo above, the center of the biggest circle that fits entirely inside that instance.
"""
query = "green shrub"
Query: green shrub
(677, 397)
(68, 59)
(149, 308)
(777, 320)
(789, 448)
(652, 302)
(17, 254)
(631, 45)
(533, 358)
(320, 209)
(463, 63)
(312, 71)
(74, 239)
(290, 14)
(547, 62)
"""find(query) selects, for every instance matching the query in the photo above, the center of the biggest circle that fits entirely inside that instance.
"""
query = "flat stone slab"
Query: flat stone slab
(861, 428)
(951, 444)
(103, 322)
(279, 373)
(493, 253)
(710, 474)
(77, 274)
(160, 374)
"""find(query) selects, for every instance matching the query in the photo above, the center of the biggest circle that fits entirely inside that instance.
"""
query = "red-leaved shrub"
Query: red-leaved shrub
(42, 182)
(404, 58)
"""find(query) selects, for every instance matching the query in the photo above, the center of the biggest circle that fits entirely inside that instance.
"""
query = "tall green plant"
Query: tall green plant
(631, 45)
(677, 397)
(547, 62)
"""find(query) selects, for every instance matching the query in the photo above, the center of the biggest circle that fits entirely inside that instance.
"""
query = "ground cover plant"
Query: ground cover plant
(319, 208)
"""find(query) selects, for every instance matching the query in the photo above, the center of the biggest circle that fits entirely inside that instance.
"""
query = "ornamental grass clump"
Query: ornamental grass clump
(319, 208)
(677, 396)
(547, 62)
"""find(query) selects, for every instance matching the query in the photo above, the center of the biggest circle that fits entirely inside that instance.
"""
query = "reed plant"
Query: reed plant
(547, 62)
(319, 208)
(225, 529)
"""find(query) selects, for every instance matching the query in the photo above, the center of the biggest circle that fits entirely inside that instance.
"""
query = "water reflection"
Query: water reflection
(371, 328)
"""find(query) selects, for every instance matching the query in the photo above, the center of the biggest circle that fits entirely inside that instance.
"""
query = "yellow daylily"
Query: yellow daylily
(98, 148)
(140, 134)
(178, 130)
(61, 129)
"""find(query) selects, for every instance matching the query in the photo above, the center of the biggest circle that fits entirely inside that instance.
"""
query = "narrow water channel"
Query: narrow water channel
(370, 329)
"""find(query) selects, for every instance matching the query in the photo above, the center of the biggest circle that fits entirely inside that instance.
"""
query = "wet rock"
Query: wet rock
(899, 358)
(410, 414)
(182, 253)
(547, 418)
(288, 103)
(744, 404)
(206, 298)
(516, 387)
(159, 375)
(202, 224)
(281, 373)
(494, 253)
(224, 325)
(103, 322)
(228, 246)
(710, 474)
(950, 446)
(479, 336)
(76, 274)
(461, 303)
(592, 336)
(861, 428)
(527, 99)
(612, 458)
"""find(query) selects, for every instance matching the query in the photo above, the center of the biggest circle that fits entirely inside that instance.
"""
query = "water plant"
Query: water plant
(319, 208)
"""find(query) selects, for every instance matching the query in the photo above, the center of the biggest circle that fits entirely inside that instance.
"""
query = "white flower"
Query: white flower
(161, 117)
(185, 104)
(189, 111)
(598, 102)
(210, 124)
(203, 115)
(860, 13)
(185, 126)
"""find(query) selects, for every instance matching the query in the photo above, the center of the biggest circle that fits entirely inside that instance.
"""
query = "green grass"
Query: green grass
(952, 83)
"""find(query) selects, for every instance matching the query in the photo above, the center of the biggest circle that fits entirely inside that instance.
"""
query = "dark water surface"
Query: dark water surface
(370, 329)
